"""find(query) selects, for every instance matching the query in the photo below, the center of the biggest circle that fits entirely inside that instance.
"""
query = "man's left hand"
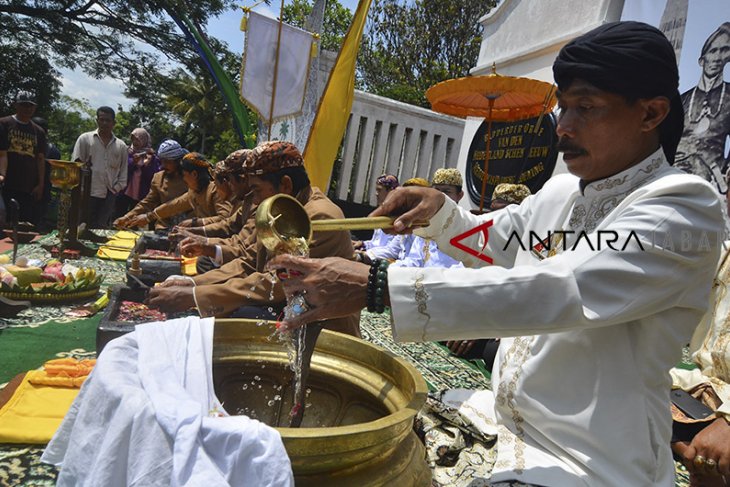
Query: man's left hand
(171, 299)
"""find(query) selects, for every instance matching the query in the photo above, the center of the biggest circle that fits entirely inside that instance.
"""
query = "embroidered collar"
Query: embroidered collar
(630, 178)
(600, 197)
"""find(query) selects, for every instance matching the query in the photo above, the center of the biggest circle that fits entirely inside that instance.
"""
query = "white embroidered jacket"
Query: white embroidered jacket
(583, 392)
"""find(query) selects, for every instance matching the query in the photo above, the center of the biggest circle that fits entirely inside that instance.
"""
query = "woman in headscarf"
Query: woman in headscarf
(142, 164)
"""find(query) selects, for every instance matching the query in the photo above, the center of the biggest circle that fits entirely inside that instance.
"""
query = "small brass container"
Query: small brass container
(279, 218)
(65, 175)
(358, 423)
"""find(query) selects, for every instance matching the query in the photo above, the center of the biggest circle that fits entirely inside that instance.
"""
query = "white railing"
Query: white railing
(387, 136)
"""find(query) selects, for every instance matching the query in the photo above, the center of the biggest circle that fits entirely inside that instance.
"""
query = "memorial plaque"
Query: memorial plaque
(518, 154)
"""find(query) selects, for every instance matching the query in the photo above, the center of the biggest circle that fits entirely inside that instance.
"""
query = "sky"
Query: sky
(108, 91)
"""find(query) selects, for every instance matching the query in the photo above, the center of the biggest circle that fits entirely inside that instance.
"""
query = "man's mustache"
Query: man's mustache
(566, 146)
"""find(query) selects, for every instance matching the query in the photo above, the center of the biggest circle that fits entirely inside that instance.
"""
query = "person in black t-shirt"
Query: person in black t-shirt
(48, 209)
(22, 158)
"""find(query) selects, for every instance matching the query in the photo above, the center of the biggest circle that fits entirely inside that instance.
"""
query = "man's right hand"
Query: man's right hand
(137, 221)
(121, 223)
(195, 246)
(412, 204)
(460, 347)
(176, 282)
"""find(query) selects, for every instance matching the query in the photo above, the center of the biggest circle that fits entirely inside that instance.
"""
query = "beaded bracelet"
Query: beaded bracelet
(377, 282)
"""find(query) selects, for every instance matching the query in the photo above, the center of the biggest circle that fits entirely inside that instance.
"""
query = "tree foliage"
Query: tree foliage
(408, 46)
(337, 20)
(26, 69)
(185, 104)
(103, 37)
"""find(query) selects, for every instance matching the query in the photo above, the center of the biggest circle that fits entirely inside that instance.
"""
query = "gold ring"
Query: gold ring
(699, 461)
(711, 464)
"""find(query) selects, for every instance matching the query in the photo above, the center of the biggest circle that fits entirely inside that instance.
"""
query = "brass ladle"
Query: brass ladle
(279, 220)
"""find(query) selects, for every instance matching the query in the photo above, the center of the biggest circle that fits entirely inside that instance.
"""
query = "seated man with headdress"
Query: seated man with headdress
(397, 247)
(384, 185)
(201, 198)
(241, 287)
(233, 237)
(166, 185)
(506, 194)
(229, 170)
(225, 192)
(425, 252)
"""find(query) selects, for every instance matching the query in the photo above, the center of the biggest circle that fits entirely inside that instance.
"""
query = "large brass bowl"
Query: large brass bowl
(357, 427)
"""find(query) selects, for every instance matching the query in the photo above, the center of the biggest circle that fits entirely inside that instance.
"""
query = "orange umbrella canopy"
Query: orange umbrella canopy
(513, 98)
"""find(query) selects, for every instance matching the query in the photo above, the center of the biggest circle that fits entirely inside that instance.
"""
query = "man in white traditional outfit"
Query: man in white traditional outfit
(589, 330)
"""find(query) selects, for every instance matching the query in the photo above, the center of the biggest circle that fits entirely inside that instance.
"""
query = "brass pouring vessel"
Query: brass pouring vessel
(358, 426)
(281, 217)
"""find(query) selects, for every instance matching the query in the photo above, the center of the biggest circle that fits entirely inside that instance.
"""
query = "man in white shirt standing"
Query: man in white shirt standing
(595, 313)
(108, 157)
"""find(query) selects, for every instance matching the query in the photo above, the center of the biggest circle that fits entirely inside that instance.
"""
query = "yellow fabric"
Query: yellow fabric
(189, 266)
(334, 107)
(105, 252)
(34, 413)
(68, 367)
(125, 235)
(113, 249)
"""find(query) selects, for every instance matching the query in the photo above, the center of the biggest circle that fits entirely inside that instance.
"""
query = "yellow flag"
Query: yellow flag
(334, 108)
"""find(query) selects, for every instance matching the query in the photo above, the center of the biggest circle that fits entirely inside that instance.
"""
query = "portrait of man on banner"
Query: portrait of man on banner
(703, 147)
(700, 34)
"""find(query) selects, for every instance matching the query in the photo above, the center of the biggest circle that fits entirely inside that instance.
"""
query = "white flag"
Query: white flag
(259, 60)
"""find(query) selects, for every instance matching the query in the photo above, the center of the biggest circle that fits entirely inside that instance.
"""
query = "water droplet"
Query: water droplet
(245, 386)
(270, 403)
(256, 377)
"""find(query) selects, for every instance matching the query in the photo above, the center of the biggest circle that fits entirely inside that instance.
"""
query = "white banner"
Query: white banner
(259, 61)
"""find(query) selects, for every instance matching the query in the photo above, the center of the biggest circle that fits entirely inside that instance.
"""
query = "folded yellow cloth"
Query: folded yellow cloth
(125, 235)
(189, 266)
(116, 247)
(34, 413)
(67, 372)
(113, 253)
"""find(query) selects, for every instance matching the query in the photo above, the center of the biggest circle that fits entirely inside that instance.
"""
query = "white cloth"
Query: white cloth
(425, 253)
(583, 392)
(108, 162)
(257, 72)
(710, 345)
(397, 248)
(148, 415)
(379, 239)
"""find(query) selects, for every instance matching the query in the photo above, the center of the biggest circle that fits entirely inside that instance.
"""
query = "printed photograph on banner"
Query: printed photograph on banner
(700, 34)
